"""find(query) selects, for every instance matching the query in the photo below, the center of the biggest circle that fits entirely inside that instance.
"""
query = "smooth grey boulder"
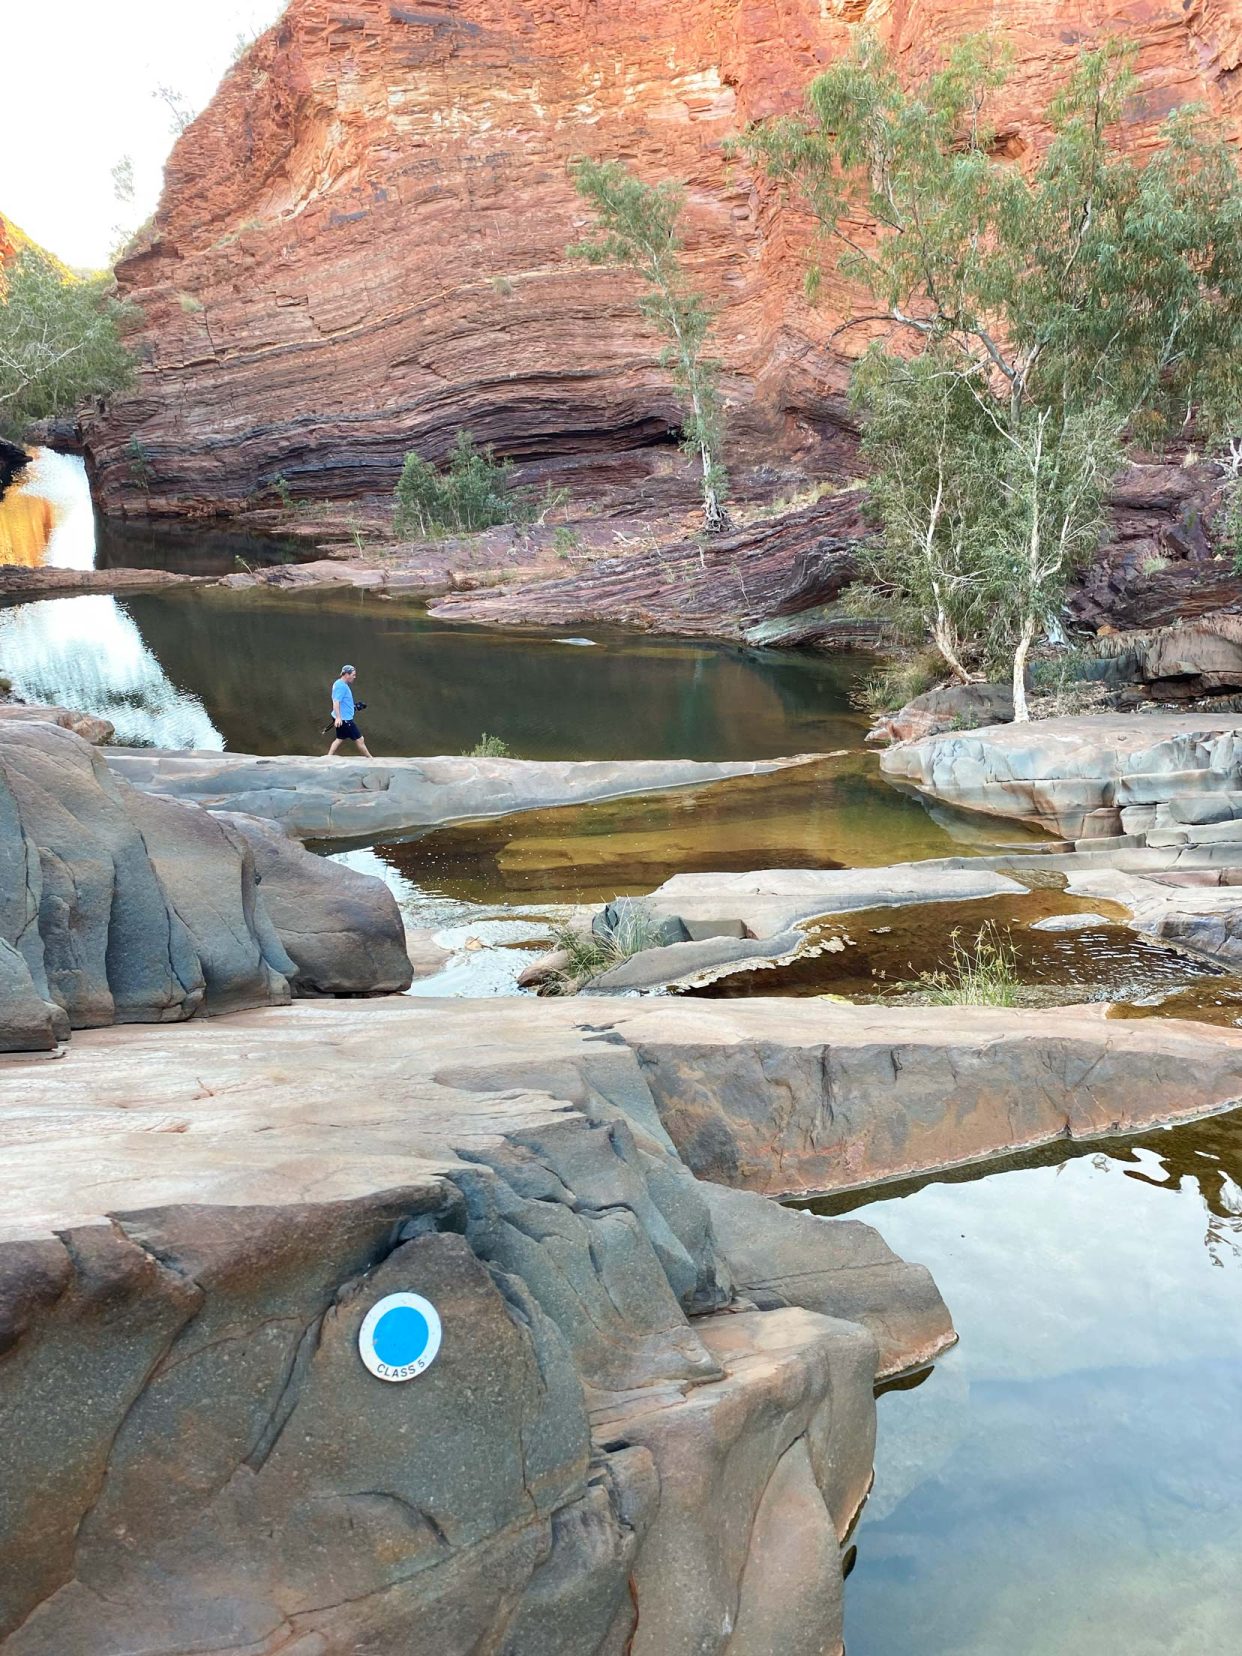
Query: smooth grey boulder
(953, 707)
(118, 906)
(342, 930)
(207, 869)
(1086, 778)
(106, 940)
(627, 917)
(28, 1021)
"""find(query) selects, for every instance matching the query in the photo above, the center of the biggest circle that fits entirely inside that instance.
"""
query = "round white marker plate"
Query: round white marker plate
(400, 1336)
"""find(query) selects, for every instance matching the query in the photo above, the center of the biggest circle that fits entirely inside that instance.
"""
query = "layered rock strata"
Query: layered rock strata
(1164, 779)
(360, 248)
(371, 799)
(736, 585)
(615, 1449)
(120, 906)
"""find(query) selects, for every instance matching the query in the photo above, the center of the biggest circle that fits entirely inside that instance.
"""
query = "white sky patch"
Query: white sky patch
(78, 96)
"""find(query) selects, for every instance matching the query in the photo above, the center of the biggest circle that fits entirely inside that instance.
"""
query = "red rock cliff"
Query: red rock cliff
(360, 244)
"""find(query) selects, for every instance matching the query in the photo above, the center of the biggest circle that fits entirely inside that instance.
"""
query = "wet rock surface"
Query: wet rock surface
(360, 799)
(614, 1448)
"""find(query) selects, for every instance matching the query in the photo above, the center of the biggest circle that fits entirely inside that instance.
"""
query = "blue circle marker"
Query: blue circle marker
(399, 1337)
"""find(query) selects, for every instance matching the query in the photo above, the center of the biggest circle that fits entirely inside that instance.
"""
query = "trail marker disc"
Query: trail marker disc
(400, 1336)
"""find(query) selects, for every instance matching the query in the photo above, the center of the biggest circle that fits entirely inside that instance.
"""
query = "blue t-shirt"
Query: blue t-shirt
(343, 696)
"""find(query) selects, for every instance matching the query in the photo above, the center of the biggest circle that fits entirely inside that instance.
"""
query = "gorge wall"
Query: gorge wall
(360, 246)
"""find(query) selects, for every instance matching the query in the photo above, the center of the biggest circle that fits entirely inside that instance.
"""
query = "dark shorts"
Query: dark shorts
(347, 731)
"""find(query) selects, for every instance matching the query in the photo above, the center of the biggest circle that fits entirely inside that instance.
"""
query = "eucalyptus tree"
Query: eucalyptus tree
(60, 342)
(1030, 320)
(637, 225)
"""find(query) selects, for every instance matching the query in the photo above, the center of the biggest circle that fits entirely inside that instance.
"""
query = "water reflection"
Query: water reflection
(1069, 1478)
(88, 653)
(263, 666)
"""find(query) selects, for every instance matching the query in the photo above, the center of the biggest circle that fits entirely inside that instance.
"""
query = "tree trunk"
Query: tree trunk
(942, 638)
(1021, 712)
(715, 519)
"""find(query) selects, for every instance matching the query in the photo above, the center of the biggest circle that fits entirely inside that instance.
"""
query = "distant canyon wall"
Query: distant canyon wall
(360, 246)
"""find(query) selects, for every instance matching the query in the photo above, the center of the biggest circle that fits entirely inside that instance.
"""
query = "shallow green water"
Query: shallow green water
(260, 669)
(1068, 1480)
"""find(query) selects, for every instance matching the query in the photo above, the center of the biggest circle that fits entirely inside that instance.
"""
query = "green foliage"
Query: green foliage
(489, 747)
(983, 973)
(565, 541)
(1032, 322)
(60, 343)
(138, 459)
(896, 682)
(637, 226)
(473, 493)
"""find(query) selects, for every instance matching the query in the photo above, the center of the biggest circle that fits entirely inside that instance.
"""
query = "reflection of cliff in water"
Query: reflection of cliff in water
(264, 666)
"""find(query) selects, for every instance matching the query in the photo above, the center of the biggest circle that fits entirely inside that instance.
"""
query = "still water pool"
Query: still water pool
(1068, 1480)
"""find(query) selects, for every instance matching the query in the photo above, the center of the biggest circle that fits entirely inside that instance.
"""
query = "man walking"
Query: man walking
(343, 713)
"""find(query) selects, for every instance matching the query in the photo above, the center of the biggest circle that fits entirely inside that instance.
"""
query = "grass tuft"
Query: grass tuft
(982, 973)
(590, 954)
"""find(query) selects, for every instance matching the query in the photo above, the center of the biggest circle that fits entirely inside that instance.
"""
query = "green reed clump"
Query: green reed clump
(590, 953)
(982, 973)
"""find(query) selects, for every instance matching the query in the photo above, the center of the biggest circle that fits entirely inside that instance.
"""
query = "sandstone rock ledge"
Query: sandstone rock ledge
(360, 799)
(615, 1450)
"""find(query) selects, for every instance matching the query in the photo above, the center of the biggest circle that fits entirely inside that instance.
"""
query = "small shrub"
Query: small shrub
(984, 973)
(489, 747)
(138, 460)
(565, 542)
(502, 285)
(895, 683)
(189, 304)
(280, 483)
(473, 493)
(1153, 565)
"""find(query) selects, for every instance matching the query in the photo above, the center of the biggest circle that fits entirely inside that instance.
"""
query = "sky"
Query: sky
(76, 96)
